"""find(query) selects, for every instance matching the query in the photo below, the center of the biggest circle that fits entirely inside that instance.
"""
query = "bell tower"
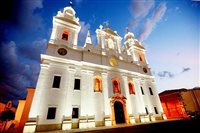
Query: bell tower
(66, 27)
(135, 49)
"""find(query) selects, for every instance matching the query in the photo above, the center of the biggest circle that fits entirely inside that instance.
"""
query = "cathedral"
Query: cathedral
(92, 85)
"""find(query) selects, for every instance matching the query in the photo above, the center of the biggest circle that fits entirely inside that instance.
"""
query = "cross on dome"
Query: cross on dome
(70, 3)
(107, 23)
(126, 29)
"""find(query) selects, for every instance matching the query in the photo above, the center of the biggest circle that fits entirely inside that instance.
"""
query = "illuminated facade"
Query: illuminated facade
(94, 85)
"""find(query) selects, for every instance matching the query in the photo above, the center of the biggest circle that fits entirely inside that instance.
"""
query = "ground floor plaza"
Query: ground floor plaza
(153, 127)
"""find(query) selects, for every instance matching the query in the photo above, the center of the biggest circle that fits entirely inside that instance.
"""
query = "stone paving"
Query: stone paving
(168, 126)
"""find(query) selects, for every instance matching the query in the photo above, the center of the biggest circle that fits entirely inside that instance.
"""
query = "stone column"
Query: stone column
(103, 41)
(69, 94)
(135, 56)
(139, 96)
(86, 94)
(67, 118)
(75, 39)
(149, 99)
(145, 59)
(118, 46)
(156, 97)
(90, 92)
(87, 100)
(127, 95)
(107, 107)
(31, 123)
(40, 88)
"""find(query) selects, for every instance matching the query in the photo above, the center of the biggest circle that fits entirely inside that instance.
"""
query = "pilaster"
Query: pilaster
(127, 95)
(40, 89)
(69, 94)
(107, 107)
(139, 96)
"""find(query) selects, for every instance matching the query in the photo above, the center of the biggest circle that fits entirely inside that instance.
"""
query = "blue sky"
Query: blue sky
(169, 29)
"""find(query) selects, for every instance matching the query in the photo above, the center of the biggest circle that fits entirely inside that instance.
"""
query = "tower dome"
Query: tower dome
(69, 11)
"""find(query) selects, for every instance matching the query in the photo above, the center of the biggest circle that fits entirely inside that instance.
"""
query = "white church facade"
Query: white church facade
(94, 85)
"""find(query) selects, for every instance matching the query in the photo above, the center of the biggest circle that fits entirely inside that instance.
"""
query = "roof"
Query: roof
(68, 20)
(172, 91)
(196, 88)
(138, 45)
(108, 30)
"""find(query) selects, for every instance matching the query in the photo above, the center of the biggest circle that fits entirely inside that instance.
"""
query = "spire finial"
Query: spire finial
(88, 39)
(100, 27)
(107, 23)
(70, 3)
(126, 29)
(88, 34)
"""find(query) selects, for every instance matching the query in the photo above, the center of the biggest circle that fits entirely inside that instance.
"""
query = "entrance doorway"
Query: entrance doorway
(119, 112)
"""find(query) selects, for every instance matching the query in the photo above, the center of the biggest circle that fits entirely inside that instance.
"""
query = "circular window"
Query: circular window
(62, 51)
(145, 70)
(113, 61)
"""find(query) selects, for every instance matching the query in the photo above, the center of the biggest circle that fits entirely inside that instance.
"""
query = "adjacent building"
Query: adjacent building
(23, 109)
(180, 103)
(7, 106)
(21, 113)
(95, 85)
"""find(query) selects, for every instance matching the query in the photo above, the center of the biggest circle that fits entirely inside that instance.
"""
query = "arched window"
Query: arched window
(131, 88)
(97, 84)
(110, 43)
(65, 35)
(140, 57)
(116, 88)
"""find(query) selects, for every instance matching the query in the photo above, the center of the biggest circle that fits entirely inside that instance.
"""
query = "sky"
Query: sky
(168, 29)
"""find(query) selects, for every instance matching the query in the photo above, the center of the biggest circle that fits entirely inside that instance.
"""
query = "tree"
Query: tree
(6, 115)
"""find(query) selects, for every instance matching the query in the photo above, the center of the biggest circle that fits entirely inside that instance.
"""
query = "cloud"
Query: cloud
(20, 59)
(38, 46)
(94, 39)
(83, 32)
(153, 73)
(177, 9)
(30, 18)
(178, 53)
(165, 74)
(19, 68)
(151, 23)
(93, 19)
(195, 3)
(78, 1)
(133, 23)
(10, 70)
(141, 8)
(186, 69)
(85, 27)
(138, 10)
